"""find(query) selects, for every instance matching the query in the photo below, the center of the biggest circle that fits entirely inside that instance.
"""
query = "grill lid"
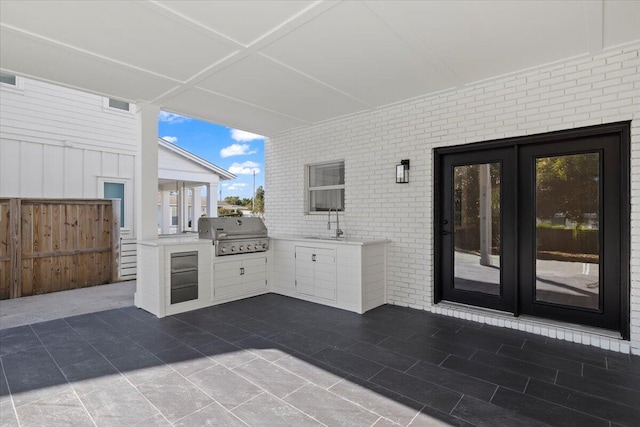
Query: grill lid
(230, 228)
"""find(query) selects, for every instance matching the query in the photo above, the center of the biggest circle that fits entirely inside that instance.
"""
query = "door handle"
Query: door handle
(313, 257)
(445, 232)
(241, 271)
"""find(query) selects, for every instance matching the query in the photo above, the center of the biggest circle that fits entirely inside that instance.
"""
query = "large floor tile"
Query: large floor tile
(586, 403)
(268, 410)
(480, 413)
(270, 377)
(118, 404)
(542, 359)
(298, 342)
(329, 408)
(600, 389)
(350, 363)
(378, 400)
(487, 373)
(445, 346)
(33, 375)
(382, 355)
(416, 389)
(225, 353)
(455, 381)
(515, 365)
(60, 409)
(174, 396)
(416, 351)
(264, 348)
(67, 347)
(543, 410)
(8, 418)
(90, 375)
(311, 370)
(140, 366)
(213, 415)
(225, 386)
(185, 360)
(16, 340)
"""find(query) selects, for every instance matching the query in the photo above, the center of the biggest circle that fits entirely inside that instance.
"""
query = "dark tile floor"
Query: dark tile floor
(277, 361)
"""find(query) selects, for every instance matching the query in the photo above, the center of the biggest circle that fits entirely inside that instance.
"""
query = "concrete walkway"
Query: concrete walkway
(40, 308)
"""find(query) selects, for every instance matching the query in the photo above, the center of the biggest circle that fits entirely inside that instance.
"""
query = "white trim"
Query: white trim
(224, 174)
(128, 199)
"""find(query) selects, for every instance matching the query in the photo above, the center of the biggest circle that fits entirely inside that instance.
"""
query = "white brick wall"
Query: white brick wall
(589, 91)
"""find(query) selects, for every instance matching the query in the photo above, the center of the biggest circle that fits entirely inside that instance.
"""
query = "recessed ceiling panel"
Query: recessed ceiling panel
(263, 83)
(243, 21)
(621, 22)
(481, 39)
(122, 30)
(71, 68)
(351, 49)
(220, 110)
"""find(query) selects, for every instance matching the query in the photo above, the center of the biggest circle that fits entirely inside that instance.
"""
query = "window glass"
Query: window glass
(328, 174)
(8, 79)
(115, 190)
(326, 187)
(120, 105)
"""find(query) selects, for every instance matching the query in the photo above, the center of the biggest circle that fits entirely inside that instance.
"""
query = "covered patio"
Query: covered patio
(273, 360)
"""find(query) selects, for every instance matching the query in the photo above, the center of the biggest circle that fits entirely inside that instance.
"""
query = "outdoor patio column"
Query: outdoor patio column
(212, 199)
(195, 207)
(166, 212)
(147, 172)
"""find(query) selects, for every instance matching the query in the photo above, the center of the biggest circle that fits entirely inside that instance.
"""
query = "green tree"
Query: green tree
(259, 205)
(232, 200)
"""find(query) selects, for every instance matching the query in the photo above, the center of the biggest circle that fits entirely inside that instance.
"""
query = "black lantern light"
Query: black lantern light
(402, 172)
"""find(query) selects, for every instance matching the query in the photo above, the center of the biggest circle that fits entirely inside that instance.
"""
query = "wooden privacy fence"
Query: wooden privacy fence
(53, 245)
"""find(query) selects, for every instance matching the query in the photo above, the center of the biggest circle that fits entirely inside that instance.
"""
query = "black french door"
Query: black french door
(537, 226)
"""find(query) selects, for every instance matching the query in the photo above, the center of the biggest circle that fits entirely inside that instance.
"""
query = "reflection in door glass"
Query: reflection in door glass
(476, 205)
(567, 230)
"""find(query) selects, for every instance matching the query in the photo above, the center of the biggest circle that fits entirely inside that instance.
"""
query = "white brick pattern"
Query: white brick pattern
(583, 92)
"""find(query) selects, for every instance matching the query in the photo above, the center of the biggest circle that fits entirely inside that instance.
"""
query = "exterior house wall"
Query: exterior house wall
(62, 143)
(583, 92)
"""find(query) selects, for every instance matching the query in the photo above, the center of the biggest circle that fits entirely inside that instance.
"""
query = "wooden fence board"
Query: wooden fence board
(52, 245)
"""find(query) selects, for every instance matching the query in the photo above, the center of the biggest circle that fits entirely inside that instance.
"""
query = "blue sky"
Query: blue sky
(237, 151)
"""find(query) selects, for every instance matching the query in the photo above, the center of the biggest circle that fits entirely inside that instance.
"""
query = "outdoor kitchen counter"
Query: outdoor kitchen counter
(154, 291)
(321, 239)
(350, 274)
(178, 239)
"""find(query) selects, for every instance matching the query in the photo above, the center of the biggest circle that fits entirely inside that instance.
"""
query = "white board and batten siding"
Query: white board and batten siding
(62, 143)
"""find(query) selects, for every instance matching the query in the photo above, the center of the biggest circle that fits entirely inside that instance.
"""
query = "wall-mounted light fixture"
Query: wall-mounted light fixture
(402, 172)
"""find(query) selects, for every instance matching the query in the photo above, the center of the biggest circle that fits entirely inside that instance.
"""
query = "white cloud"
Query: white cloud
(171, 139)
(236, 186)
(243, 136)
(246, 168)
(172, 118)
(236, 150)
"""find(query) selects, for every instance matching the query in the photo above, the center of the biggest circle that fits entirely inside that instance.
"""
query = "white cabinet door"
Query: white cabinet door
(239, 277)
(254, 274)
(227, 280)
(316, 272)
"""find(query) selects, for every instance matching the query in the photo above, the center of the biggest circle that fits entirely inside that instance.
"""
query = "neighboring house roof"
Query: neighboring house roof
(224, 174)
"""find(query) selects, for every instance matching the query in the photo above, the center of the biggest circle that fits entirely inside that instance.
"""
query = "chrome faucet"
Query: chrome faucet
(339, 232)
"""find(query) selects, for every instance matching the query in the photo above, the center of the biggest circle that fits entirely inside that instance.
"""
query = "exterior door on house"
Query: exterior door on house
(536, 226)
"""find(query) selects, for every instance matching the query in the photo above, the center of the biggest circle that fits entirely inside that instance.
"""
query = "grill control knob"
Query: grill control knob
(233, 248)
(241, 248)
(223, 249)
(264, 246)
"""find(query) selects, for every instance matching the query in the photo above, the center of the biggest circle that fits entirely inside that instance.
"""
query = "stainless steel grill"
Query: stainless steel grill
(232, 236)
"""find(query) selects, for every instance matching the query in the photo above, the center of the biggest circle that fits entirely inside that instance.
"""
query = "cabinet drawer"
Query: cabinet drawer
(184, 261)
(186, 293)
(178, 280)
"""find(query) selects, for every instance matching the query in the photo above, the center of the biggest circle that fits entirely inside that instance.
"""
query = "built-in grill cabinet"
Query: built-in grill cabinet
(184, 276)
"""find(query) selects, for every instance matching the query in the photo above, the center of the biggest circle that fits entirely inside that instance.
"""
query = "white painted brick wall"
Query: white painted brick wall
(583, 92)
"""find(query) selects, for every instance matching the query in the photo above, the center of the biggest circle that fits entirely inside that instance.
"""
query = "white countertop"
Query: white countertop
(324, 239)
(178, 239)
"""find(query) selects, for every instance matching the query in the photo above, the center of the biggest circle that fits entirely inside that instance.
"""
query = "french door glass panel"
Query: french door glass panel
(567, 230)
(476, 192)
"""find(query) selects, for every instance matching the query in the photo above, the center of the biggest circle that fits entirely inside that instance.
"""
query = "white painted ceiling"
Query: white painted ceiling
(269, 66)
